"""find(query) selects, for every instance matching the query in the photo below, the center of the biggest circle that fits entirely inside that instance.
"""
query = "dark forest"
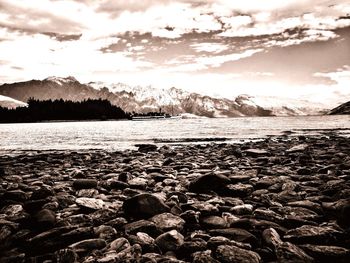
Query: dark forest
(50, 110)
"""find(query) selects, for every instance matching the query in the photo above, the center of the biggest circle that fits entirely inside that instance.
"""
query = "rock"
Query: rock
(307, 204)
(119, 244)
(12, 210)
(90, 203)
(87, 193)
(245, 209)
(56, 238)
(66, 255)
(255, 152)
(138, 183)
(87, 245)
(167, 221)
(33, 206)
(216, 241)
(236, 234)
(257, 225)
(192, 246)
(41, 193)
(146, 147)
(105, 232)
(271, 238)
(170, 241)
(298, 148)
(203, 257)
(327, 253)
(208, 182)
(84, 184)
(319, 235)
(116, 184)
(340, 210)
(15, 195)
(2, 171)
(213, 222)
(229, 254)
(145, 241)
(145, 226)
(17, 258)
(290, 253)
(238, 190)
(144, 206)
(45, 219)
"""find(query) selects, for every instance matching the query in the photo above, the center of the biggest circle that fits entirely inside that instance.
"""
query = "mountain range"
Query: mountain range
(147, 98)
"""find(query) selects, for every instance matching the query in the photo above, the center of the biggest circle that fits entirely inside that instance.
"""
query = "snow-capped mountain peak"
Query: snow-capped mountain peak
(60, 81)
(158, 96)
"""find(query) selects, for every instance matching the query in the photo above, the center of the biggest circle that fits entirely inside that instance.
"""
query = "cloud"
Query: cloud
(34, 18)
(340, 76)
(209, 47)
(235, 41)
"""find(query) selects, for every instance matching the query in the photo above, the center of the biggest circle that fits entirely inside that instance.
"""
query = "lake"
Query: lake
(120, 135)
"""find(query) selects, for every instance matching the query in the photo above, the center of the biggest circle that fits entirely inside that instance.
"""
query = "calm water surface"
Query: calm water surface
(119, 135)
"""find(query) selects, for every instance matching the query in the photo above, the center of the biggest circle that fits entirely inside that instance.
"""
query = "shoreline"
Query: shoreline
(276, 199)
(198, 118)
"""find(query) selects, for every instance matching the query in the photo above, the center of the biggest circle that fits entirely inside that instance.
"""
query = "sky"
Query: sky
(292, 48)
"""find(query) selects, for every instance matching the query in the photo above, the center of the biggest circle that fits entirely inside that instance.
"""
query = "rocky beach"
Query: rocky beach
(281, 199)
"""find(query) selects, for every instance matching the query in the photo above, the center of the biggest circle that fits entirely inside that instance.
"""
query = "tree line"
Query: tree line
(47, 110)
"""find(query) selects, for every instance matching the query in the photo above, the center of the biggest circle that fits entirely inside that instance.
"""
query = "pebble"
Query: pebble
(282, 199)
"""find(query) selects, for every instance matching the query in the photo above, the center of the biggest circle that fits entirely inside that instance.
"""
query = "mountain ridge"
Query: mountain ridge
(341, 109)
(144, 98)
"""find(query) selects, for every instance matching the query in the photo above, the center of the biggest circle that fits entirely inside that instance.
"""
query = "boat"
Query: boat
(155, 117)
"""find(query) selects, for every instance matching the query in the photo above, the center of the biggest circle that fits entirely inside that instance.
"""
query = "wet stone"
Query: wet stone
(229, 254)
(144, 206)
(213, 222)
(45, 218)
(167, 221)
(15, 195)
(41, 193)
(84, 184)
(208, 182)
(255, 152)
(90, 203)
(236, 234)
(238, 190)
(87, 245)
(325, 235)
(66, 255)
(203, 257)
(146, 226)
(288, 252)
(327, 253)
(170, 241)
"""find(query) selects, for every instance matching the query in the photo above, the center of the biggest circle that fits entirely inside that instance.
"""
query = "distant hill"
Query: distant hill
(10, 103)
(341, 109)
(144, 99)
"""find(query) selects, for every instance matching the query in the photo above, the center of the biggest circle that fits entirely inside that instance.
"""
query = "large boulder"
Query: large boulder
(209, 182)
(144, 206)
